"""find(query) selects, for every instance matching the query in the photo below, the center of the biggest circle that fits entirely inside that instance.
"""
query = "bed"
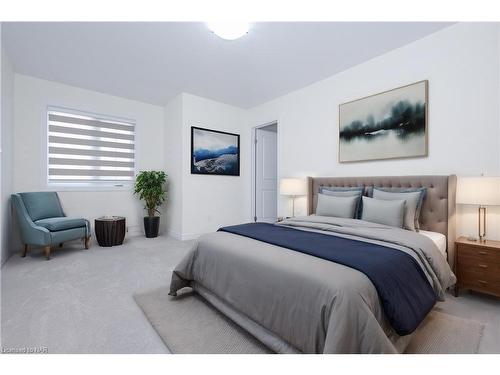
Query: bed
(303, 301)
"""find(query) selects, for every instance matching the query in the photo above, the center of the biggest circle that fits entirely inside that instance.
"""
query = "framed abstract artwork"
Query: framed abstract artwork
(214, 152)
(388, 125)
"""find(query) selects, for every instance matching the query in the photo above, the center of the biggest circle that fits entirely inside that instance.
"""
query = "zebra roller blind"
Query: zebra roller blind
(84, 148)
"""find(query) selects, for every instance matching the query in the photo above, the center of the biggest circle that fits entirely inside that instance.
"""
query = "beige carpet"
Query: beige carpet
(188, 324)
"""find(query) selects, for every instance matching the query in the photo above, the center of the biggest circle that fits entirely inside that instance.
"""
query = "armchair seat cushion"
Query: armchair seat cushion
(55, 224)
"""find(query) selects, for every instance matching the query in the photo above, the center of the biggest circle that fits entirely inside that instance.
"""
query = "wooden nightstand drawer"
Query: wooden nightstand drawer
(479, 254)
(466, 274)
(478, 266)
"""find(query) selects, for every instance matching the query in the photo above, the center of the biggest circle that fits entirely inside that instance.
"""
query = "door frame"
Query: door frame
(253, 181)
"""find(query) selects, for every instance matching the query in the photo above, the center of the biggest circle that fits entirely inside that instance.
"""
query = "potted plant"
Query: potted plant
(149, 185)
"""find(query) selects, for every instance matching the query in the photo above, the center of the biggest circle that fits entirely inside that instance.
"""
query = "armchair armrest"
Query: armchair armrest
(31, 233)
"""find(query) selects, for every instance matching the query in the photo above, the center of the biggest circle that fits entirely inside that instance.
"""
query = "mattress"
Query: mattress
(438, 238)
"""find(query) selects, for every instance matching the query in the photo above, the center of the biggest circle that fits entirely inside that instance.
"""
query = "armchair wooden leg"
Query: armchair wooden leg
(25, 250)
(46, 250)
(87, 242)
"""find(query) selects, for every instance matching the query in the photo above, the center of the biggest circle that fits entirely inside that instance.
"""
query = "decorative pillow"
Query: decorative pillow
(346, 192)
(387, 212)
(336, 206)
(413, 197)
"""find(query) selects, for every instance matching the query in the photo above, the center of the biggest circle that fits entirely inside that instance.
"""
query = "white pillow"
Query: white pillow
(413, 204)
(329, 205)
(384, 212)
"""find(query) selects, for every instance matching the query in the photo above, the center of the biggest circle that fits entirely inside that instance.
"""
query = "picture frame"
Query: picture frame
(392, 124)
(214, 152)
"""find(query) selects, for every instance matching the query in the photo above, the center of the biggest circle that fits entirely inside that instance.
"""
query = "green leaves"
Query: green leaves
(149, 186)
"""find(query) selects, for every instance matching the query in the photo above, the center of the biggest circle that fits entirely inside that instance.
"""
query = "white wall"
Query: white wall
(462, 66)
(460, 62)
(210, 202)
(200, 204)
(195, 204)
(7, 89)
(173, 165)
(31, 98)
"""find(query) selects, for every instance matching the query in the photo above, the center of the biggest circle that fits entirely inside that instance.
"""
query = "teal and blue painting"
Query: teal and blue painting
(214, 152)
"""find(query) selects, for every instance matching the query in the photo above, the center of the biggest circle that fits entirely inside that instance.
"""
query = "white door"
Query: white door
(266, 171)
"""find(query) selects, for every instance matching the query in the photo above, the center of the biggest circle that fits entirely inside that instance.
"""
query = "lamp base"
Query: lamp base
(482, 220)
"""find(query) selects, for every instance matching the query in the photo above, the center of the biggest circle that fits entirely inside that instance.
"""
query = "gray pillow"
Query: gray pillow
(413, 198)
(387, 212)
(341, 191)
(336, 206)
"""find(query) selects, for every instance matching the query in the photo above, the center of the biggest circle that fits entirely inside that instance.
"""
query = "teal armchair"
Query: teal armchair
(42, 222)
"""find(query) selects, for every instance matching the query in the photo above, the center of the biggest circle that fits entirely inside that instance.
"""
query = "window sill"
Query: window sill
(89, 187)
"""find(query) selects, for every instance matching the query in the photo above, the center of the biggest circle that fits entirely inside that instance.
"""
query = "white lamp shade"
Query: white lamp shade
(293, 186)
(483, 191)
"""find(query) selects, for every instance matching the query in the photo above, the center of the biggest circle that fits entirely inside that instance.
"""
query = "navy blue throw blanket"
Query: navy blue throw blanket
(405, 294)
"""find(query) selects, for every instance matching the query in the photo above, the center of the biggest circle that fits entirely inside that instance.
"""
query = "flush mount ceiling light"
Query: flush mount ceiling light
(229, 30)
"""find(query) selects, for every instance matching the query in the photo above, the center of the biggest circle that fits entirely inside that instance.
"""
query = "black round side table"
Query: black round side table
(110, 230)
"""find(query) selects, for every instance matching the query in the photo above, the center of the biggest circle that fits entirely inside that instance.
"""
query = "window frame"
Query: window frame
(94, 185)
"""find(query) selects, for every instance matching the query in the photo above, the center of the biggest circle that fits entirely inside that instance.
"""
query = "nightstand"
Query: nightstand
(477, 266)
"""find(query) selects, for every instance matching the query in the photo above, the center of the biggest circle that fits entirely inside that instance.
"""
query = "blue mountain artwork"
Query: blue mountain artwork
(221, 161)
(202, 154)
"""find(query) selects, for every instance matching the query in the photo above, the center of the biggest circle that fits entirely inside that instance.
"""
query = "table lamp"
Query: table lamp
(481, 192)
(293, 187)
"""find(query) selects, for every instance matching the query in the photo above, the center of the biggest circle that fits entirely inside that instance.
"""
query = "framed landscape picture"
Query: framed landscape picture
(391, 124)
(214, 152)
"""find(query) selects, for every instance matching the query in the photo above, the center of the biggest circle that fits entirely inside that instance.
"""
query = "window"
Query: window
(85, 149)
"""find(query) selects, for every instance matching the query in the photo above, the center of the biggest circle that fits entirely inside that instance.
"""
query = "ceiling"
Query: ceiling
(153, 62)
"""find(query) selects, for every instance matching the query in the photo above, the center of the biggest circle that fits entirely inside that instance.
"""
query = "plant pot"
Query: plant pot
(151, 226)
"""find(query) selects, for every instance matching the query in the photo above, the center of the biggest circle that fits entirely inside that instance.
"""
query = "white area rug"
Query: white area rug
(188, 324)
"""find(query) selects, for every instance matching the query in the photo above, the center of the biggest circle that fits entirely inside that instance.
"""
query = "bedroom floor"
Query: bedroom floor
(81, 301)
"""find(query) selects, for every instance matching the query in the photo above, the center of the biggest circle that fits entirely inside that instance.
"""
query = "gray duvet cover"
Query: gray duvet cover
(302, 303)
